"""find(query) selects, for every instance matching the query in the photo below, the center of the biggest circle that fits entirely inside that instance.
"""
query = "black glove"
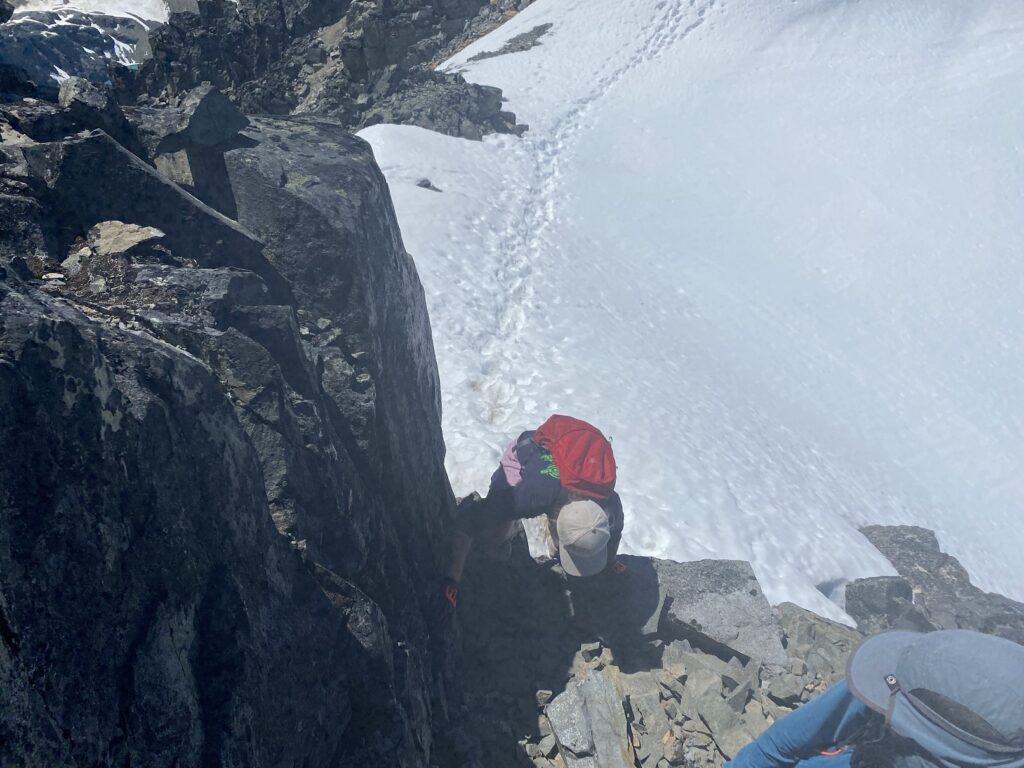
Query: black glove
(447, 600)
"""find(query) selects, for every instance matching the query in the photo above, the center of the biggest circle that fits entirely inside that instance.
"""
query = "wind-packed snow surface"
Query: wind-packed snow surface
(772, 247)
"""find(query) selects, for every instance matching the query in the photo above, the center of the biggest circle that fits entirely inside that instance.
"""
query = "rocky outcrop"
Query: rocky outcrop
(881, 603)
(943, 596)
(227, 502)
(360, 63)
(51, 45)
(141, 568)
(6, 11)
(640, 668)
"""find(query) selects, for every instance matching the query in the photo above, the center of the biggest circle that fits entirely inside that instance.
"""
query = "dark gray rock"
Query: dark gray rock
(517, 44)
(884, 602)
(150, 265)
(15, 83)
(942, 589)
(446, 104)
(202, 117)
(310, 182)
(92, 107)
(41, 121)
(46, 43)
(361, 63)
(135, 194)
(6, 11)
(79, 93)
(186, 142)
(427, 184)
(718, 604)
(117, 445)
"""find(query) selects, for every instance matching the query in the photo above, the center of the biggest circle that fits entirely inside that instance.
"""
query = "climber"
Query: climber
(565, 470)
(946, 699)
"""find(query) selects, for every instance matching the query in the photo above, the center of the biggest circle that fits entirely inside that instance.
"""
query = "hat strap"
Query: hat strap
(895, 690)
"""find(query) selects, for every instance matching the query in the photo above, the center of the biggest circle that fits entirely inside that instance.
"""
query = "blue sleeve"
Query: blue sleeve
(821, 724)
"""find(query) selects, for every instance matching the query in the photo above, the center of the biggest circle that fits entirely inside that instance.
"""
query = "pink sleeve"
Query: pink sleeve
(510, 465)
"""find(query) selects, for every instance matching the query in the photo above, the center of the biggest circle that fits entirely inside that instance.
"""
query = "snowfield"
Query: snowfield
(771, 247)
(148, 10)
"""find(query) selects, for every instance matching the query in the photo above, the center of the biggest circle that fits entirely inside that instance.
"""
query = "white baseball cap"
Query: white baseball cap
(583, 535)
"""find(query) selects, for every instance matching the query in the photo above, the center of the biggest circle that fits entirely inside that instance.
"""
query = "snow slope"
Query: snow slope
(148, 10)
(772, 247)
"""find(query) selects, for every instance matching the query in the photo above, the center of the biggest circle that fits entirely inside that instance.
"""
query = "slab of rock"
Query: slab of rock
(719, 604)
(202, 117)
(589, 723)
(315, 197)
(134, 193)
(91, 104)
(942, 587)
(880, 603)
(113, 238)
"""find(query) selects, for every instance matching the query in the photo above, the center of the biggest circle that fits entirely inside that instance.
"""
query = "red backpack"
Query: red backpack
(582, 454)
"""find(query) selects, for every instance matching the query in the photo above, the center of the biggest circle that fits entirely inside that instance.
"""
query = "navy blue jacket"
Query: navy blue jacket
(540, 492)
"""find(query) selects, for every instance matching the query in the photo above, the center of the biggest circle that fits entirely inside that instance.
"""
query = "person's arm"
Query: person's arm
(819, 725)
(616, 520)
(461, 543)
(540, 491)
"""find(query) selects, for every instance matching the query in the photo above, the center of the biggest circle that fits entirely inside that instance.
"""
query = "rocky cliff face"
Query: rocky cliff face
(225, 498)
(933, 590)
(360, 62)
(223, 503)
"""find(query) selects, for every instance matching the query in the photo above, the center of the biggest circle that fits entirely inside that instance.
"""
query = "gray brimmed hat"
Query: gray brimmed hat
(583, 535)
(957, 693)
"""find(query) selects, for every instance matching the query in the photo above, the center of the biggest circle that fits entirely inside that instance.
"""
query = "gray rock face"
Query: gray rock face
(360, 63)
(115, 445)
(361, 303)
(6, 11)
(720, 603)
(943, 593)
(145, 335)
(589, 725)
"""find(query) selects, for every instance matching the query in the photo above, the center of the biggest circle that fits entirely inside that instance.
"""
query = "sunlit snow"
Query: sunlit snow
(149, 10)
(772, 247)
